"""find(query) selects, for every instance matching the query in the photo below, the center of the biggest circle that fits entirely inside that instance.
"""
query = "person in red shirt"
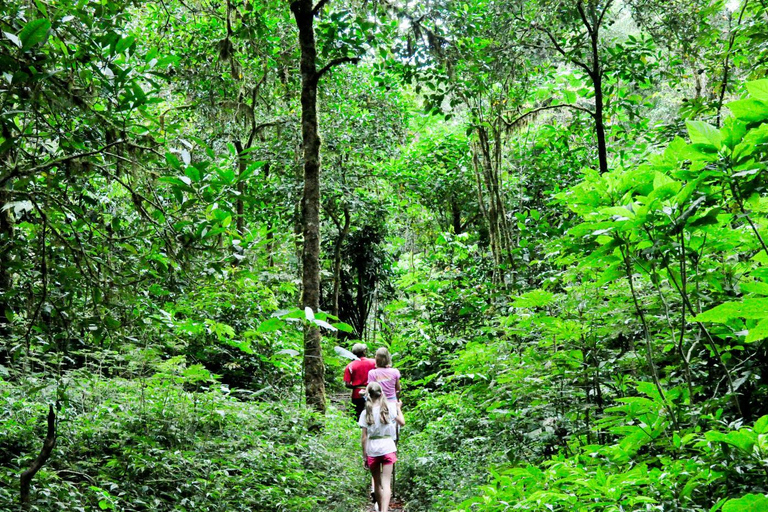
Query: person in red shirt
(356, 376)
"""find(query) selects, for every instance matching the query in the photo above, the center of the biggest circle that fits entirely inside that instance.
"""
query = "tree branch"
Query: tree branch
(319, 7)
(335, 62)
(602, 14)
(48, 444)
(562, 51)
(511, 124)
(583, 15)
(55, 162)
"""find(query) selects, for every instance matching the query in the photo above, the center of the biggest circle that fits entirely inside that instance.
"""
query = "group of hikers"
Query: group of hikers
(375, 385)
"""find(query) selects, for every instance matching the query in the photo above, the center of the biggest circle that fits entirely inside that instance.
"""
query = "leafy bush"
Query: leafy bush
(147, 444)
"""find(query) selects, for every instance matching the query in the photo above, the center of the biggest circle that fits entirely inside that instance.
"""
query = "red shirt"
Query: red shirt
(356, 374)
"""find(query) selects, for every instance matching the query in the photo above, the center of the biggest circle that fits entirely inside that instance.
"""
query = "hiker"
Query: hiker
(378, 422)
(385, 375)
(356, 376)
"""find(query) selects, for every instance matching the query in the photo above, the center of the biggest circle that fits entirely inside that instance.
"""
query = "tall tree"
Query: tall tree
(583, 23)
(314, 370)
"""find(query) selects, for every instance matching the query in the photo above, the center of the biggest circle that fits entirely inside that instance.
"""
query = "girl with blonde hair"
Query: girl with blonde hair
(378, 422)
(385, 375)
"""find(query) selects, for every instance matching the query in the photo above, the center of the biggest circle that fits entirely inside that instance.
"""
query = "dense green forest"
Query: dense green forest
(554, 213)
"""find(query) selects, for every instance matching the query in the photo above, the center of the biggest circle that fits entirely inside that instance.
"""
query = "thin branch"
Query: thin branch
(45, 453)
(43, 278)
(511, 124)
(335, 62)
(583, 15)
(258, 127)
(726, 63)
(55, 162)
(562, 51)
(319, 7)
(602, 14)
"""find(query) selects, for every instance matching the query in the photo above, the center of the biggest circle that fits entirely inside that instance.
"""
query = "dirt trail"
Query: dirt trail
(394, 505)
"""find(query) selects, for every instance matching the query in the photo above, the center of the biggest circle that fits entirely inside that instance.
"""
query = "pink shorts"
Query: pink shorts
(389, 458)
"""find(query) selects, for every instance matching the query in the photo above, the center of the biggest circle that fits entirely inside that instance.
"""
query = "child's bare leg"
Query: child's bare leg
(385, 488)
(376, 474)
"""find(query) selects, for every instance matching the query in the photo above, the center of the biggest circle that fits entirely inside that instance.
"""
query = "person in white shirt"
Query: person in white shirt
(379, 430)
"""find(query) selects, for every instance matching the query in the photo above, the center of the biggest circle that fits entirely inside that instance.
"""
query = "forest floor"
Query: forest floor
(394, 505)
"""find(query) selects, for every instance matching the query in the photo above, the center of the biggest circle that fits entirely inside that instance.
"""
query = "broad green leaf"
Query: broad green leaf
(34, 32)
(733, 132)
(758, 89)
(612, 273)
(748, 503)
(756, 287)
(744, 440)
(271, 325)
(534, 299)
(759, 332)
(761, 425)
(341, 326)
(750, 111)
(704, 134)
(754, 309)
(124, 44)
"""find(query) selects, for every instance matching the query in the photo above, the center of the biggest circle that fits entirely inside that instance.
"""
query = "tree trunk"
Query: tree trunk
(270, 226)
(314, 369)
(456, 217)
(241, 167)
(343, 232)
(45, 453)
(597, 82)
(6, 240)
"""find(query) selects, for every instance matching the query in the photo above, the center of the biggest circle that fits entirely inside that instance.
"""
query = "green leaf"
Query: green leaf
(34, 32)
(124, 44)
(341, 326)
(757, 333)
(751, 111)
(744, 440)
(733, 132)
(754, 309)
(704, 134)
(761, 425)
(271, 325)
(758, 89)
(748, 503)
(534, 299)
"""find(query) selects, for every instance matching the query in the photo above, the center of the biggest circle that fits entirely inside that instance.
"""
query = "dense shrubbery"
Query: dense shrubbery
(150, 444)
(633, 379)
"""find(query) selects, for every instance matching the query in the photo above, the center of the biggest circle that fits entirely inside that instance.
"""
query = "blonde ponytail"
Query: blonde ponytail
(374, 393)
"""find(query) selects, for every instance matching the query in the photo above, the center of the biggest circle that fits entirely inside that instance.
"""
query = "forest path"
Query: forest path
(395, 504)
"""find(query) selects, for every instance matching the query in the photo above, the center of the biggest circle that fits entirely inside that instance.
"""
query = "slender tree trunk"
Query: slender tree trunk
(498, 225)
(241, 165)
(456, 217)
(270, 235)
(343, 232)
(6, 240)
(602, 148)
(597, 82)
(314, 369)
(45, 453)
